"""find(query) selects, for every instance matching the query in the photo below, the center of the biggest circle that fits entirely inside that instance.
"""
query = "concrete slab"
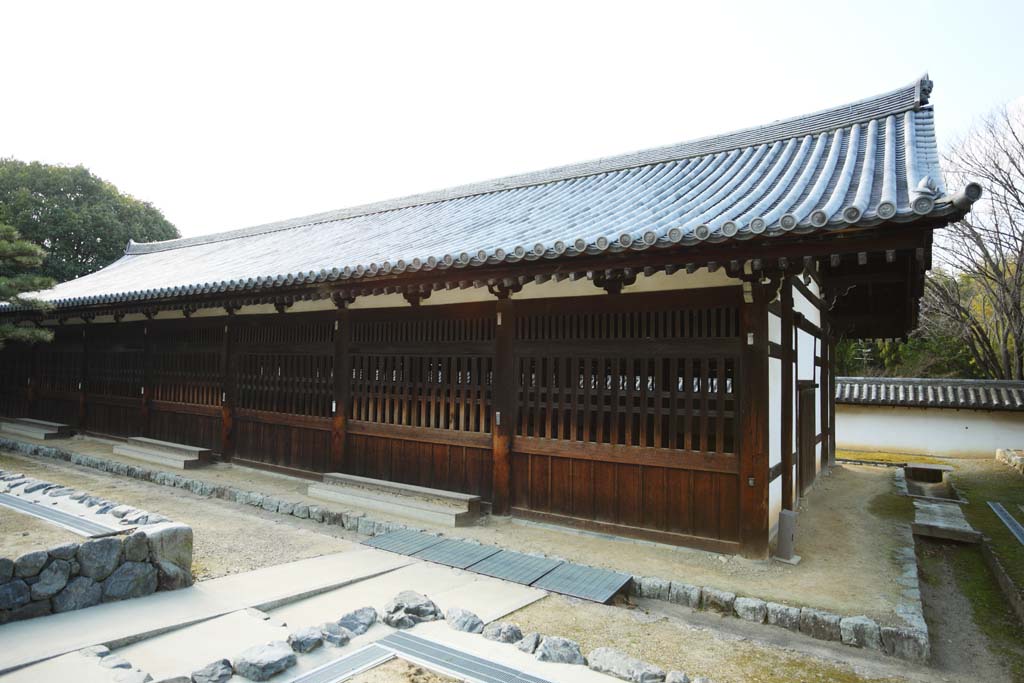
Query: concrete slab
(943, 520)
(121, 623)
(69, 667)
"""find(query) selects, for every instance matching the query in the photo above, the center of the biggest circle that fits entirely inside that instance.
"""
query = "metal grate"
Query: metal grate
(588, 583)
(458, 554)
(1012, 524)
(515, 567)
(451, 661)
(403, 542)
(82, 527)
(342, 669)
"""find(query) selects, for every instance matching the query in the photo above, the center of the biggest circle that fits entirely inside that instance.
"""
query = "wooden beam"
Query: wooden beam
(503, 419)
(754, 399)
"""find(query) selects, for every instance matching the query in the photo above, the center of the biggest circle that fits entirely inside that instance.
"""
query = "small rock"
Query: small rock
(115, 662)
(559, 651)
(301, 511)
(684, 594)
(80, 592)
(135, 676)
(409, 608)
(30, 564)
(130, 580)
(270, 504)
(751, 609)
(677, 677)
(334, 634)
(51, 580)
(255, 499)
(316, 513)
(95, 651)
(861, 632)
(136, 547)
(260, 662)
(122, 510)
(783, 615)
(464, 620)
(529, 642)
(99, 558)
(64, 551)
(14, 594)
(359, 621)
(503, 632)
(819, 624)
(305, 639)
(215, 672)
(716, 600)
(653, 587)
(285, 508)
(616, 663)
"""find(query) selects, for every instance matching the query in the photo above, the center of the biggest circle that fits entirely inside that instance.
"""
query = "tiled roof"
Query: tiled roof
(859, 165)
(977, 394)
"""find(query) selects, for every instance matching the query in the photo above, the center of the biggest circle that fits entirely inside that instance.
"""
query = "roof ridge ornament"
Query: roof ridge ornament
(924, 90)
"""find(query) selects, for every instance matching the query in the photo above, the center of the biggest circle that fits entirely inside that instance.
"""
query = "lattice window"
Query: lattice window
(679, 402)
(186, 377)
(286, 334)
(569, 326)
(60, 369)
(424, 331)
(299, 384)
(115, 372)
(433, 391)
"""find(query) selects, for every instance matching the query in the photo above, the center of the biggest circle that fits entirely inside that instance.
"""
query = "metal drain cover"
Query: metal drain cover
(403, 542)
(458, 554)
(515, 567)
(79, 525)
(588, 583)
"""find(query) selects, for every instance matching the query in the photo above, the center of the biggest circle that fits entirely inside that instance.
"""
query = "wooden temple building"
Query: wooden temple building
(640, 345)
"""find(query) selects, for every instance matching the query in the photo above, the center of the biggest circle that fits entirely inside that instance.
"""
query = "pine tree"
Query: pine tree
(18, 258)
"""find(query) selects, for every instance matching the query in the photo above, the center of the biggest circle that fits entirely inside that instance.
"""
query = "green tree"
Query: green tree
(18, 258)
(82, 221)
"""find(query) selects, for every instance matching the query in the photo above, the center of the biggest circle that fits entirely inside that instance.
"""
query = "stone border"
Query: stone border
(1012, 458)
(74, 576)
(910, 642)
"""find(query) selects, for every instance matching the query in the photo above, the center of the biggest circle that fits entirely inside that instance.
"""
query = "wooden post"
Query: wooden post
(32, 384)
(147, 381)
(227, 412)
(831, 441)
(503, 419)
(788, 394)
(825, 387)
(754, 426)
(83, 385)
(342, 388)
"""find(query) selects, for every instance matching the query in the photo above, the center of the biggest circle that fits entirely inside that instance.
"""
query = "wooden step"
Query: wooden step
(433, 506)
(174, 460)
(144, 443)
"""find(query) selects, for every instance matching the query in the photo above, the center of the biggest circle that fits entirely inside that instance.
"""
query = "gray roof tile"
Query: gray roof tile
(977, 394)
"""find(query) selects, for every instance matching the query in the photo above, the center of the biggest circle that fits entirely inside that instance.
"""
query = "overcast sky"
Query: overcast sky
(226, 115)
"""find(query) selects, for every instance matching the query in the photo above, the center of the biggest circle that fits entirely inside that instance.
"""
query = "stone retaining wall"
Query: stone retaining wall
(154, 556)
(1011, 458)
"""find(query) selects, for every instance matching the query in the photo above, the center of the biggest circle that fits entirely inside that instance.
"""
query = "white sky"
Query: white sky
(225, 115)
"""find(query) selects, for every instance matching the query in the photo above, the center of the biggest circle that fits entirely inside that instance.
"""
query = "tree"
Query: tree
(976, 294)
(82, 221)
(17, 258)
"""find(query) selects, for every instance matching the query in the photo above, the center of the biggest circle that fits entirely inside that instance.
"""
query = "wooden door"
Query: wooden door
(806, 432)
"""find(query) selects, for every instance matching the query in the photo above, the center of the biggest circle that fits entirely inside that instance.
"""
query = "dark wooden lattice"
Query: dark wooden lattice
(185, 364)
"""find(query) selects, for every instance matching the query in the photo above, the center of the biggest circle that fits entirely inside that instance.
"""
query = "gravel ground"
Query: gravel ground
(400, 671)
(21, 533)
(228, 538)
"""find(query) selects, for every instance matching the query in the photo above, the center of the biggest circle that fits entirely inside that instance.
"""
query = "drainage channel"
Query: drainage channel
(82, 527)
(426, 653)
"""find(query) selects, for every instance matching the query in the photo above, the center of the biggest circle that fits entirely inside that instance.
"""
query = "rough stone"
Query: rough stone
(464, 620)
(409, 608)
(270, 504)
(716, 600)
(6, 569)
(115, 662)
(684, 594)
(51, 580)
(171, 577)
(136, 547)
(677, 677)
(350, 520)
(255, 499)
(65, 551)
(30, 564)
(305, 639)
(95, 651)
(99, 558)
(260, 662)
(316, 513)
(559, 651)
(301, 511)
(819, 624)
(134, 676)
(365, 527)
(36, 608)
(503, 632)
(122, 510)
(80, 592)
(616, 663)
(285, 508)
(751, 609)
(653, 587)
(783, 615)
(334, 634)
(215, 672)
(14, 594)
(906, 644)
(529, 642)
(130, 580)
(359, 621)
(171, 542)
(861, 632)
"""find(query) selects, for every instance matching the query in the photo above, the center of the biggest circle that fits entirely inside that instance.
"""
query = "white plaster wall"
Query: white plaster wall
(802, 305)
(938, 431)
(774, 328)
(775, 399)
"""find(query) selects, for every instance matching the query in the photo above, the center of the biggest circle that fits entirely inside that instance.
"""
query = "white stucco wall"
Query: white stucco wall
(938, 431)
(774, 443)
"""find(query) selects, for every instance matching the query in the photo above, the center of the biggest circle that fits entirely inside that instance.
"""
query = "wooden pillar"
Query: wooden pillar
(753, 466)
(32, 382)
(83, 385)
(147, 381)
(788, 394)
(504, 402)
(825, 388)
(831, 441)
(227, 408)
(342, 387)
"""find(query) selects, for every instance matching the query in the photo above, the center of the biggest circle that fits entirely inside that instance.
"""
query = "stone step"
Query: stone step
(31, 431)
(408, 506)
(59, 427)
(466, 501)
(144, 443)
(176, 461)
(943, 520)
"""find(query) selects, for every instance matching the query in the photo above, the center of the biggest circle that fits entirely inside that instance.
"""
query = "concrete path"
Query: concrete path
(119, 623)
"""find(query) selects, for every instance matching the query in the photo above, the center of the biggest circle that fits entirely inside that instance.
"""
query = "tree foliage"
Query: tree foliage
(18, 259)
(977, 292)
(82, 221)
